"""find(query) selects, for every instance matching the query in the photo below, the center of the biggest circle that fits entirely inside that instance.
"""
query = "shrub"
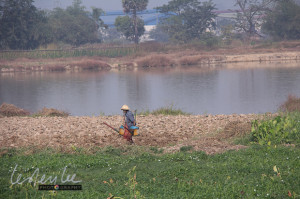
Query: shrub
(10, 110)
(280, 130)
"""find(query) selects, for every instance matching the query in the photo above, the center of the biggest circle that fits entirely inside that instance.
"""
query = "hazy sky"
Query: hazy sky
(111, 5)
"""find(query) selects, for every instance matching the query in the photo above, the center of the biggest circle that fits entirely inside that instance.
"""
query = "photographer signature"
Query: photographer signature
(42, 180)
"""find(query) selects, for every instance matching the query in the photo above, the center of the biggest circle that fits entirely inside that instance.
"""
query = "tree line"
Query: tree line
(23, 26)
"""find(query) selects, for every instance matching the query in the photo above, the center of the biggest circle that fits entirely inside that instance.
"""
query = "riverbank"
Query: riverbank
(168, 58)
(209, 133)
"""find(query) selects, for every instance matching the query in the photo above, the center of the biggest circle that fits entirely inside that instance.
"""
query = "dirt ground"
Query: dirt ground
(209, 133)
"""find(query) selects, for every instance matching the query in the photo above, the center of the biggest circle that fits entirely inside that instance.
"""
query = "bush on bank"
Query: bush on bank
(283, 129)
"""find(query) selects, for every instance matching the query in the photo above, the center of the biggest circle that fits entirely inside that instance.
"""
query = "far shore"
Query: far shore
(183, 58)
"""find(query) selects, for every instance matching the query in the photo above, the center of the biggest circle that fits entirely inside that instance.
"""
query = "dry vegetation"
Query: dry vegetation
(10, 110)
(90, 64)
(155, 61)
(292, 104)
(51, 112)
(59, 64)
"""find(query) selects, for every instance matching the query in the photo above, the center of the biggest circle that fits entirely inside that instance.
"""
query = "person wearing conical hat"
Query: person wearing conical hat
(129, 121)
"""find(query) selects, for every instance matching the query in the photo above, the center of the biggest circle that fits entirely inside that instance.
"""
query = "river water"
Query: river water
(226, 89)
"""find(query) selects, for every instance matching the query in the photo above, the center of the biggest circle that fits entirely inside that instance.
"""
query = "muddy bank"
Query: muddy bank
(210, 133)
(184, 58)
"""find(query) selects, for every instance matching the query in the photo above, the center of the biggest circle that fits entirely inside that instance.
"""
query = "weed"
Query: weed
(244, 140)
(170, 110)
(186, 148)
(112, 151)
(144, 112)
(101, 113)
(156, 150)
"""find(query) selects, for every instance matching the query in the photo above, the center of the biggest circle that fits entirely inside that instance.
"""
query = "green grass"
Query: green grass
(42, 54)
(248, 173)
(186, 148)
(169, 110)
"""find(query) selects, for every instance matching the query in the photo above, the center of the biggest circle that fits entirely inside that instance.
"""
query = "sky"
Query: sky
(112, 5)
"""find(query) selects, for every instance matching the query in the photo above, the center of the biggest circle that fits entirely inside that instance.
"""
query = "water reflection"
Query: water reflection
(221, 90)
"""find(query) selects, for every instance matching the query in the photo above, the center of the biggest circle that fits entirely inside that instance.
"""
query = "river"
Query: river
(227, 89)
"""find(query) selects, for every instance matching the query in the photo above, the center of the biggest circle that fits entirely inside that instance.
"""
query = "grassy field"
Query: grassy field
(255, 172)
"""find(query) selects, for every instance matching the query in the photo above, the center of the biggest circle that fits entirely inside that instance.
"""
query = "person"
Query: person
(129, 122)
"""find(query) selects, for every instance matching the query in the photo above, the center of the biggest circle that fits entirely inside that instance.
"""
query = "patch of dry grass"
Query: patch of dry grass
(291, 104)
(90, 64)
(155, 61)
(189, 60)
(193, 60)
(235, 129)
(10, 110)
(60, 64)
(51, 112)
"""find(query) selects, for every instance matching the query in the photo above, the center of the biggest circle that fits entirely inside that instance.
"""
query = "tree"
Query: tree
(21, 24)
(250, 14)
(129, 29)
(96, 13)
(132, 7)
(283, 22)
(187, 19)
(158, 34)
(74, 26)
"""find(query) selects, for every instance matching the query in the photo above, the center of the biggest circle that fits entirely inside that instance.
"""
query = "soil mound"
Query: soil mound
(10, 110)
